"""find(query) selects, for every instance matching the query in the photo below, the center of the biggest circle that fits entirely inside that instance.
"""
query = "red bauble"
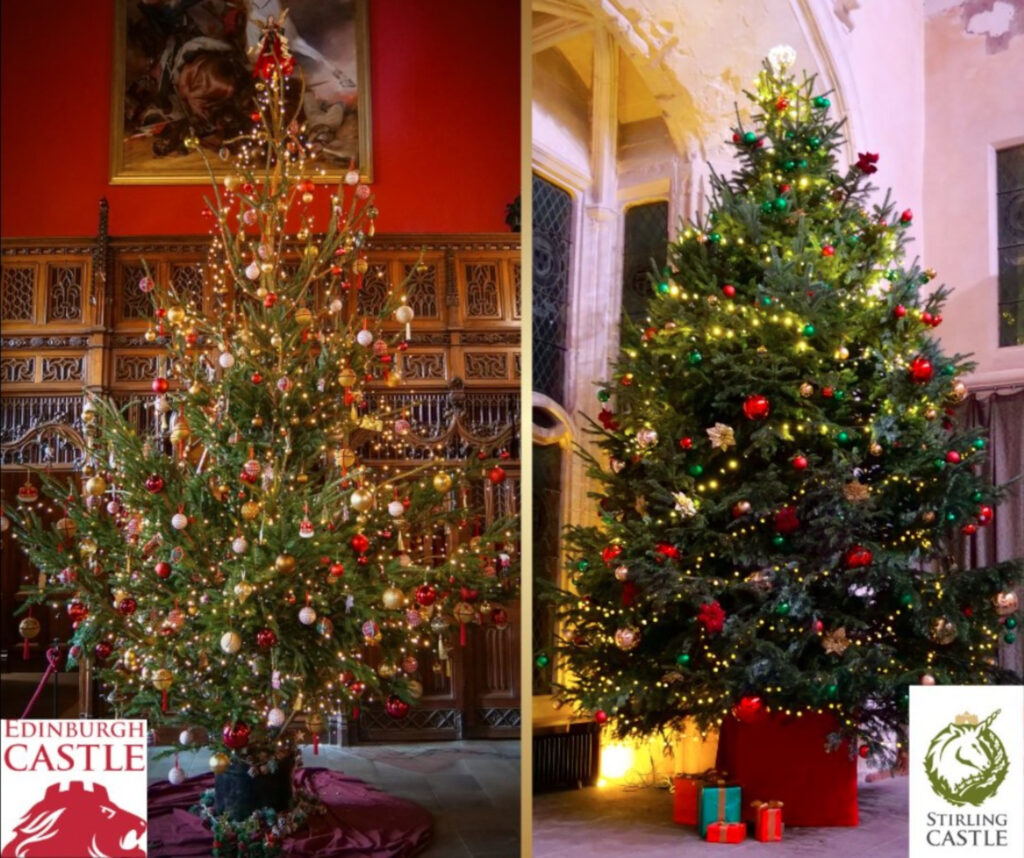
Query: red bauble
(921, 370)
(828, 392)
(396, 707)
(426, 595)
(781, 104)
(600, 716)
(251, 479)
(359, 543)
(786, 521)
(162, 569)
(985, 514)
(828, 250)
(154, 483)
(858, 557)
(468, 594)
(256, 378)
(800, 462)
(969, 529)
(686, 443)
(77, 611)
(667, 550)
(863, 750)
(907, 216)
(756, 406)
(127, 606)
(610, 552)
(953, 457)
(899, 311)
(749, 710)
(236, 735)
(926, 317)
(337, 570)
(497, 475)
(102, 650)
(265, 638)
(270, 299)
(729, 290)
(159, 385)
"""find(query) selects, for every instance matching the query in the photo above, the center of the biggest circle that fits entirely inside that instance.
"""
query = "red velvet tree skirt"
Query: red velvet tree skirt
(360, 820)
(784, 759)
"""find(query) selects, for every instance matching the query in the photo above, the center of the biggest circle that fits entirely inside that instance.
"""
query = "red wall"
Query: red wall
(445, 79)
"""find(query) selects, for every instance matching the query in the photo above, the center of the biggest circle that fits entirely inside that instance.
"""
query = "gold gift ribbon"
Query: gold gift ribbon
(773, 818)
(723, 834)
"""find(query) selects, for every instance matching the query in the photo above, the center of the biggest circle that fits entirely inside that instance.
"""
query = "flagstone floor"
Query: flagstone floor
(471, 788)
(596, 822)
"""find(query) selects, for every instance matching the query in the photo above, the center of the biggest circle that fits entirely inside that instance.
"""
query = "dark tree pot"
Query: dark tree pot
(239, 795)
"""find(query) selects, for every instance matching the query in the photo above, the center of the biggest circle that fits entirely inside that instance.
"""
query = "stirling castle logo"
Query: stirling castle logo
(966, 762)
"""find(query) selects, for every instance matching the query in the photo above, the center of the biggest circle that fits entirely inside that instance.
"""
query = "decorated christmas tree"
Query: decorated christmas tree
(781, 476)
(236, 569)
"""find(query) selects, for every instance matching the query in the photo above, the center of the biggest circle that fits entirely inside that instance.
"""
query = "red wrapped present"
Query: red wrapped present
(786, 759)
(767, 820)
(726, 832)
(686, 793)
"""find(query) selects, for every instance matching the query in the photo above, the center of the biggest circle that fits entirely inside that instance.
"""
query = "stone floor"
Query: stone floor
(609, 821)
(471, 788)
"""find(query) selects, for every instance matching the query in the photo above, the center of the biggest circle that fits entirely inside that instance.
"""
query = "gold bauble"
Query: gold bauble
(344, 458)
(181, 431)
(95, 486)
(360, 266)
(175, 315)
(1005, 603)
(250, 509)
(928, 516)
(315, 722)
(162, 679)
(386, 670)
(394, 378)
(88, 470)
(88, 546)
(219, 763)
(442, 482)
(627, 638)
(302, 478)
(303, 316)
(149, 336)
(66, 527)
(231, 182)
(842, 353)
(347, 377)
(29, 627)
(243, 590)
(806, 389)
(958, 393)
(256, 422)
(875, 449)
(285, 564)
(931, 413)
(393, 598)
(195, 388)
(361, 500)
(943, 631)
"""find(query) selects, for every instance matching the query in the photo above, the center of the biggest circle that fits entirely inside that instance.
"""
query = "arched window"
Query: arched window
(552, 249)
(644, 250)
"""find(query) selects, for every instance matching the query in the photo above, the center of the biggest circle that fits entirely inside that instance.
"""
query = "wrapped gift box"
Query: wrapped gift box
(686, 794)
(726, 832)
(718, 802)
(767, 820)
(786, 759)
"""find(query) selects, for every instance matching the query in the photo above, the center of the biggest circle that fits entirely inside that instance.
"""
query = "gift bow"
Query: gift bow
(772, 819)
(767, 805)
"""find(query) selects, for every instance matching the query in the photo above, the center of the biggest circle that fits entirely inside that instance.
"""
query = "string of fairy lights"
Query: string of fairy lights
(797, 557)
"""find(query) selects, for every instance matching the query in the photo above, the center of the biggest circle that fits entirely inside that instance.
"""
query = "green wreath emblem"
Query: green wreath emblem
(966, 762)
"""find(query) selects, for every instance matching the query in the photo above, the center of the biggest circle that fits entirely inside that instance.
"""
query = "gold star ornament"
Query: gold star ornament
(722, 436)
(835, 642)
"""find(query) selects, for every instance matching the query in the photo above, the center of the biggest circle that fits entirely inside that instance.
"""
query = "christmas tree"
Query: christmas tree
(780, 475)
(240, 564)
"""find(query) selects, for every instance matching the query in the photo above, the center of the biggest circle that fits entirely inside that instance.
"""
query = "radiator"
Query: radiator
(566, 756)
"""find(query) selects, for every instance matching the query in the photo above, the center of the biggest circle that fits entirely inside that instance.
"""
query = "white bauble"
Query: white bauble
(307, 616)
(275, 718)
(179, 521)
(176, 776)
(185, 737)
(252, 270)
(239, 545)
(396, 508)
(226, 360)
(365, 338)
(230, 642)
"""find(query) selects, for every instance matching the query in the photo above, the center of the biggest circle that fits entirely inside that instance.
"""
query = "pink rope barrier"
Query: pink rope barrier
(53, 664)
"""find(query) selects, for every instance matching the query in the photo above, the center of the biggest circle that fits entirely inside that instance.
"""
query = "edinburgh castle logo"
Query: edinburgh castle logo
(73, 788)
(966, 761)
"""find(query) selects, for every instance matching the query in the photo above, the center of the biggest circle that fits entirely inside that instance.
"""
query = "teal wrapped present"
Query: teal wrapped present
(719, 802)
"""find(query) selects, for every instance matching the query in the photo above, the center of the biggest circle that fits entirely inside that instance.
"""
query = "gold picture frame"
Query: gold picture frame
(175, 73)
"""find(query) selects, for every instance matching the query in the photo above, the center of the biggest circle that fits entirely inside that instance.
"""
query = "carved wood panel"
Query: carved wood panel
(74, 317)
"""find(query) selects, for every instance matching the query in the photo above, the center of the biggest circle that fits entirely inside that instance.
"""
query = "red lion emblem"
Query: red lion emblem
(77, 823)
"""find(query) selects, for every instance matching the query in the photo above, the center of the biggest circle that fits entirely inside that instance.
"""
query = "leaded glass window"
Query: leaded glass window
(1010, 202)
(552, 249)
(644, 252)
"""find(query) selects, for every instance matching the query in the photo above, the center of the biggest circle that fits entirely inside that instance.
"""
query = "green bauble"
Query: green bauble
(778, 540)
(1009, 637)
(749, 137)
(1011, 622)
(604, 395)
(978, 444)
(814, 142)
(663, 288)
(808, 330)
(715, 237)
(583, 565)
(781, 203)
(695, 357)
(766, 206)
(907, 599)
(782, 608)
(843, 437)
(695, 470)
(821, 102)
(542, 661)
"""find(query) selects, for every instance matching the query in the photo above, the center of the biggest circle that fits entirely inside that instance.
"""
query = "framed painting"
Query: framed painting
(183, 68)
